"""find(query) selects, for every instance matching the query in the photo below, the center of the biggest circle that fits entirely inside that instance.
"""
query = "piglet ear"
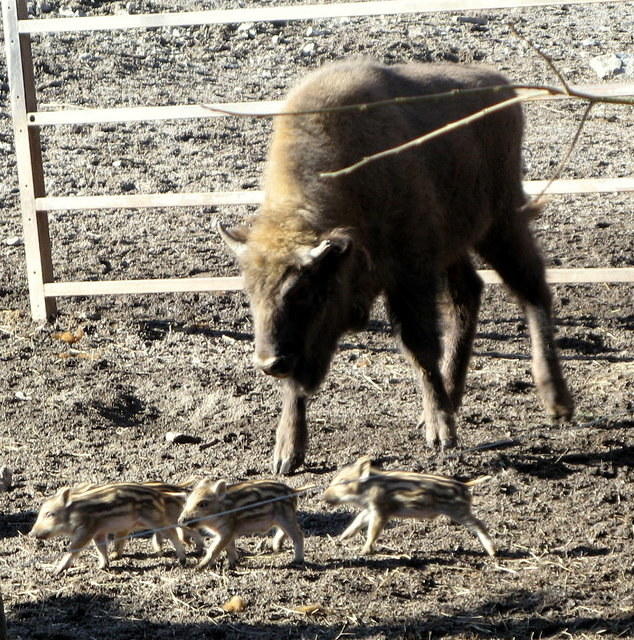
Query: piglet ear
(219, 488)
(65, 495)
(235, 239)
(364, 467)
(203, 485)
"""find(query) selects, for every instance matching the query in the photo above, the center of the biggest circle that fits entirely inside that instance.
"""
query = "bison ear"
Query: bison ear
(328, 251)
(235, 239)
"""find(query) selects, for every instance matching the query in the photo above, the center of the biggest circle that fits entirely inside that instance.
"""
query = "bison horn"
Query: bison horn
(233, 238)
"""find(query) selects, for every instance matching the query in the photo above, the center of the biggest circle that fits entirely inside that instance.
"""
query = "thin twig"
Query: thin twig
(566, 156)
(428, 136)
(547, 58)
(434, 97)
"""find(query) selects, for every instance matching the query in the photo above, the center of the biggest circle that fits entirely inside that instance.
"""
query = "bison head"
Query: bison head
(301, 298)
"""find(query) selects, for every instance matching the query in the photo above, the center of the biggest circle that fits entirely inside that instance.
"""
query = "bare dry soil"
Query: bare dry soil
(559, 503)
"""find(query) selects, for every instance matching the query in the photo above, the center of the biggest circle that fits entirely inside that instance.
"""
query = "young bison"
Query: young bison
(322, 249)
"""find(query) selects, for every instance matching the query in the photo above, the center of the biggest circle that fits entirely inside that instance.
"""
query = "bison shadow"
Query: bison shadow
(153, 330)
(14, 524)
(123, 408)
(556, 466)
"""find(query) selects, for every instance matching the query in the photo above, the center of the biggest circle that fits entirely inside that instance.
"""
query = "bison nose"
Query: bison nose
(278, 366)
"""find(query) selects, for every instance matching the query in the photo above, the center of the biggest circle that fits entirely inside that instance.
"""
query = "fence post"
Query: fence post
(3, 621)
(28, 153)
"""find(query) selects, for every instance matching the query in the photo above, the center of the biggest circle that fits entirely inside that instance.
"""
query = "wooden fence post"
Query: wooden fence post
(3, 621)
(28, 153)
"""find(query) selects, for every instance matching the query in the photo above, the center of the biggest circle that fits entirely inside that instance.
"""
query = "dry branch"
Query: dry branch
(524, 93)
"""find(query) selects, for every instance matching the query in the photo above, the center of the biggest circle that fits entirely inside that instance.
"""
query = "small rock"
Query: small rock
(311, 32)
(20, 395)
(247, 30)
(67, 12)
(308, 49)
(628, 63)
(14, 241)
(181, 438)
(611, 64)
(479, 20)
(234, 605)
(6, 477)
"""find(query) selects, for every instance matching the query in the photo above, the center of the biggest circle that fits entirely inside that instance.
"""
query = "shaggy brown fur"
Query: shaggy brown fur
(322, 249)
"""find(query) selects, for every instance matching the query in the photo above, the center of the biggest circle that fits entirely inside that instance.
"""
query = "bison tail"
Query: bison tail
(533, 208)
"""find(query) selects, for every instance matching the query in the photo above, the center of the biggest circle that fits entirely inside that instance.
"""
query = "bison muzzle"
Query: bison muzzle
(321, 249)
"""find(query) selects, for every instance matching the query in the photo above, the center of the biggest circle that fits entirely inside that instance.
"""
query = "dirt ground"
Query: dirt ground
(559, 502)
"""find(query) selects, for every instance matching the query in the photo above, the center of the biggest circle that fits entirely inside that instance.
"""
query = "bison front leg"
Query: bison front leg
(291, 438)
(414, 317)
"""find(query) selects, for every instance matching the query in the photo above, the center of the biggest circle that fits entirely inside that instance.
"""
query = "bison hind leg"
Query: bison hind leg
(511, 250)
(461, 307)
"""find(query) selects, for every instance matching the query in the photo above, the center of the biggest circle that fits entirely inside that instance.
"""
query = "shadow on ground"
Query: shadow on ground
(519, 614)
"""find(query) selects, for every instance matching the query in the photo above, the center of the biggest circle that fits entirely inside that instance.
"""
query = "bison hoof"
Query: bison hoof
(285, 465)
(440, 431)
(441, 439)
(441, 443)
(562, 411)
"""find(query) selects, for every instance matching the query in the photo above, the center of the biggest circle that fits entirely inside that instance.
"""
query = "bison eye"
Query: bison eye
(299, 288)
